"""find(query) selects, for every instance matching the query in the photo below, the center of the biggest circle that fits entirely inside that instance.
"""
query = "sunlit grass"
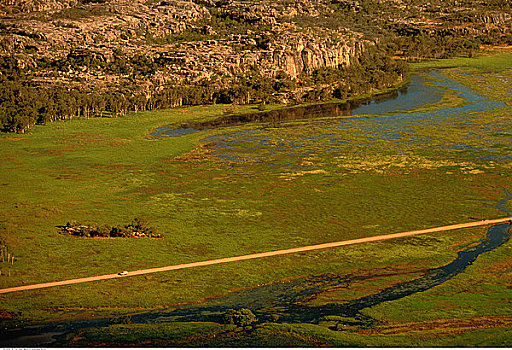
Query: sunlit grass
(485, 63)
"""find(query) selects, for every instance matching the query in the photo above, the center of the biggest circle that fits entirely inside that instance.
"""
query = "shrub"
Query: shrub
(240, 318)
(139, 227)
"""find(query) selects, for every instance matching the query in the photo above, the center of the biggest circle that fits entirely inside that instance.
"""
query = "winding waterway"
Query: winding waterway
(287, 298)
(423, 90)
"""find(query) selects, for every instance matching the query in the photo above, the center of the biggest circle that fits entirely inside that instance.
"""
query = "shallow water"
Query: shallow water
(395, 122)
(414, 95)
(422, 91)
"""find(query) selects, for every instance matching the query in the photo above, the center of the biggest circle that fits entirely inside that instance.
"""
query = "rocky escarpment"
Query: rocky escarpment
(109, 24)
(300, 54)
(27, 6)
(103, 45)
(161, 53)
(99, 31)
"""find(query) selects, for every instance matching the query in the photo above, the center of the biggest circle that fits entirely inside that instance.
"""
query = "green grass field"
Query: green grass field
(489, 63)
(255, 189)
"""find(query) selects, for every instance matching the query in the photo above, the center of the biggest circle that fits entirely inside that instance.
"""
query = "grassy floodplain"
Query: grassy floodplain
(254, 188)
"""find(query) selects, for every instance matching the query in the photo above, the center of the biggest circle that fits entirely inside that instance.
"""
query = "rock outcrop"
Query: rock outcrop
(27, 6)
(178, 35)
(278, 47)
(302, 55)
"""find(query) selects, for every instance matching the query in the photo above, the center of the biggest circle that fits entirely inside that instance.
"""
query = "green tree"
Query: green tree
(240, 318)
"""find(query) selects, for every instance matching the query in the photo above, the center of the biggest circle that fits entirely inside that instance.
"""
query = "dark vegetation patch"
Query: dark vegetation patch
(240, 318)
(145, 334)
(139, 227)
(8, 315)
(194, 335)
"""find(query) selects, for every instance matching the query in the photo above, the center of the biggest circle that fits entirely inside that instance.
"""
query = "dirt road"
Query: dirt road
(257, 255)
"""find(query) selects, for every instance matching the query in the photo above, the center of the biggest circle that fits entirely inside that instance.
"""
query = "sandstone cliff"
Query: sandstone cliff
(203, 51)
(177, 34)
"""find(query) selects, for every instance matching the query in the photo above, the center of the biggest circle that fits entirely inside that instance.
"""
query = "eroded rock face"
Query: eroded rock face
(178, 36)
(298, 55)
(97, 45)
(27, 6)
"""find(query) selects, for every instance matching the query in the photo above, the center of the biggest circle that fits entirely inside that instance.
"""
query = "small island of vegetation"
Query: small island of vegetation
(137, 228)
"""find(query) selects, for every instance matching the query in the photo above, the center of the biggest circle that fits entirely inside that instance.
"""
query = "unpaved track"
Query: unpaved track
(258, 255)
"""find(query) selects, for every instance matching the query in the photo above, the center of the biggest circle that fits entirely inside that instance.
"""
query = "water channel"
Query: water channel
(423, 90)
